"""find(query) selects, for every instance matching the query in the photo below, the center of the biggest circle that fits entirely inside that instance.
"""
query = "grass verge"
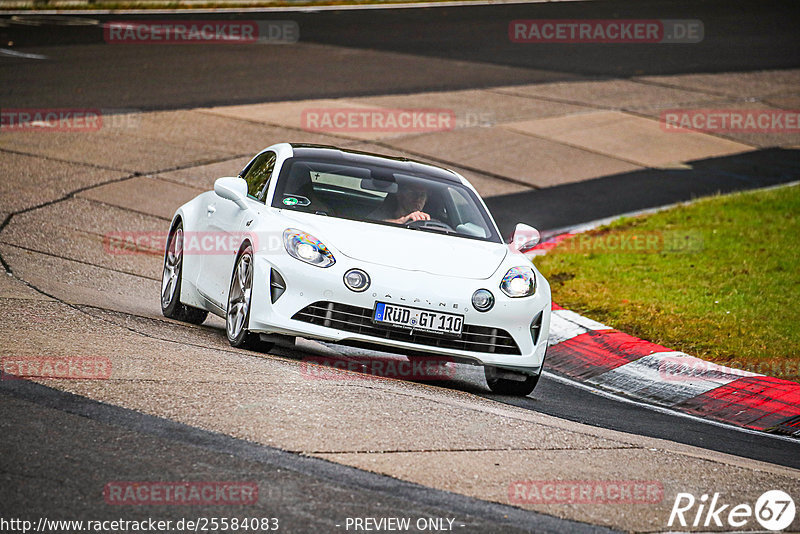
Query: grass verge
(718, 279)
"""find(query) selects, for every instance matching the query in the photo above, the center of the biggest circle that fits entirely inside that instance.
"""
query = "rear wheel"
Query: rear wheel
(505, 382)
(240, 295)
(171, 305)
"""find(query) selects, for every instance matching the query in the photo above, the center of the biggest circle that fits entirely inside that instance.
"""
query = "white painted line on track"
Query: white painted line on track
(659, 409)
(14, 53)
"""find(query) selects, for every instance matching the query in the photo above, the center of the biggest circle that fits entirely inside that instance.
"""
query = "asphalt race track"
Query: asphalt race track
(59, 448)
(310, 494)
(438, 49)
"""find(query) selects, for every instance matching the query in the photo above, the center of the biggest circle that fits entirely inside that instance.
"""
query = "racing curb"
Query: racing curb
(598, 355)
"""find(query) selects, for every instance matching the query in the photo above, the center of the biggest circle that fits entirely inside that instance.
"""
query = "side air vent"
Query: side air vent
(277, 285)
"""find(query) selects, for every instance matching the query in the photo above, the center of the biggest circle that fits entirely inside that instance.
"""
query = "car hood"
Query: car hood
(402, 248)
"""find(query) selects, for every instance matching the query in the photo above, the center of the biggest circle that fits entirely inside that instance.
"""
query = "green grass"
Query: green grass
(718, 279)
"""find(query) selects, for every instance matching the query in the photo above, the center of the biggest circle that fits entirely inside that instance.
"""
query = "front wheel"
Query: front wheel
(171, 305)
(237, 317)
(516, 384)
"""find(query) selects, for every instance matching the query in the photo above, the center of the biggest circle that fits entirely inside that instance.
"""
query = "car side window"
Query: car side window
(258, 174)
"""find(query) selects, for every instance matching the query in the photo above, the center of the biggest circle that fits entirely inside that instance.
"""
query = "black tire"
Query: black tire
(507, 386)
(237, 313)
(171, 305)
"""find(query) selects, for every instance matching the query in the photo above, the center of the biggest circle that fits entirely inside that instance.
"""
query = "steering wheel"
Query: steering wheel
(431, 224)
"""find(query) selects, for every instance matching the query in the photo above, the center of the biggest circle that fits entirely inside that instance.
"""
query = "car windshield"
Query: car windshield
(382, 195)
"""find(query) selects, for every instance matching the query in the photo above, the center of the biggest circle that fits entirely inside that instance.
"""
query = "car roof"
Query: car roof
(356, 156)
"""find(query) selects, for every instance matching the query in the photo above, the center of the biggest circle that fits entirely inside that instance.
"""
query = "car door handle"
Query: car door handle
(211, 209)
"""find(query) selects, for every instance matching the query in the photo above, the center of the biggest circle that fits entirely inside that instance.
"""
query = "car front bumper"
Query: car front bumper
(316, 304)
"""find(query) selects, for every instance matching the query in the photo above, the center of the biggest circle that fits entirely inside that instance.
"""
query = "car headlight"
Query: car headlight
(305, 247)
(519, 282)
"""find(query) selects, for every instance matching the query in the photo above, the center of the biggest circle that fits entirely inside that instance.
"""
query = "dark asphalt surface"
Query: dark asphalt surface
(58, 450)
(575, 404)
(438, 49)
(553, 397)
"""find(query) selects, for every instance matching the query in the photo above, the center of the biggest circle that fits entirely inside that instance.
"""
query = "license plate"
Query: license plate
(417, 319)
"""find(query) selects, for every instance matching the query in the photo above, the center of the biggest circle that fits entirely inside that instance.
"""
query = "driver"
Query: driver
(407, 206)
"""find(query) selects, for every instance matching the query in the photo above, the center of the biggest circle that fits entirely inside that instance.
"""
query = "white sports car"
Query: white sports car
(360, 249)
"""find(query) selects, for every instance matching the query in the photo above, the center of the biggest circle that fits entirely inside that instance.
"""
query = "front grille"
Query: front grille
(359, 321)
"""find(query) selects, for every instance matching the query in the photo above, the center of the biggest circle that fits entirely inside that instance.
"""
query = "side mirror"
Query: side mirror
(234, 189)
(524, 238)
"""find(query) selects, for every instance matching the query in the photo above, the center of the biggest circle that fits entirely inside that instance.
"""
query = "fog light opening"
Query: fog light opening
(483, 300)
(356, 280)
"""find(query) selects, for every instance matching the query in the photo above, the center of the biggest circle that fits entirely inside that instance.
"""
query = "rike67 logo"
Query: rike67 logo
(774, 510)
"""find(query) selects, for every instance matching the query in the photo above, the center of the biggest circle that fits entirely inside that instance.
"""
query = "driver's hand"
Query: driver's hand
(415, 216)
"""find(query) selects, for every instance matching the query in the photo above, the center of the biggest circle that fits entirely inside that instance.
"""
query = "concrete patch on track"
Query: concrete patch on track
(784, 99)
(486, 184)
(13, 288)
(742, 85)
(768, 138)
(295, 115)
(82, 283)
(629, 138)
(158, 197)
(81, 230)
(523, 158)
(30, 181)
(479, 107)
(609, 94)
(548, 134)
(202, 177)
(147, 142)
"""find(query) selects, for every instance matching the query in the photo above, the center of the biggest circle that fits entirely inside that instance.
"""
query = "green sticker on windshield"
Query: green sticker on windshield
(290, 201)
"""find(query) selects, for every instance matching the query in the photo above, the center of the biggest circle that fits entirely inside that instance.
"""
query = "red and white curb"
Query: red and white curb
(600, 356)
